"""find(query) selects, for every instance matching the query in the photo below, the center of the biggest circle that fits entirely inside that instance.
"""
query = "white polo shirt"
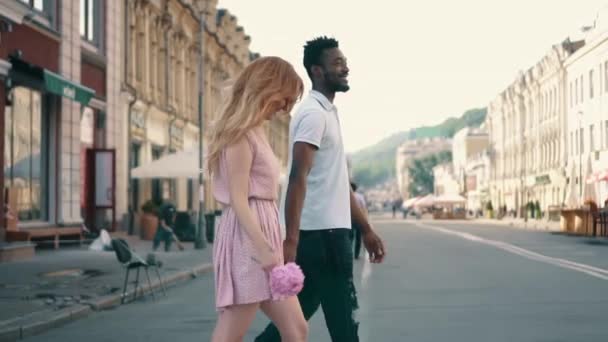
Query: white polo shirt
(327, 201)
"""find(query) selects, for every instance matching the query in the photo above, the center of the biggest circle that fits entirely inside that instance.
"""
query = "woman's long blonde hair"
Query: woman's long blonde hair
(259, 90)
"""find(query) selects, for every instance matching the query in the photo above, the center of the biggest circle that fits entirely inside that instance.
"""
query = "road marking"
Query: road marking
(563, 263)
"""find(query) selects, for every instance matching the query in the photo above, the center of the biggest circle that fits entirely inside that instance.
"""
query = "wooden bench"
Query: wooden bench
(54, 233)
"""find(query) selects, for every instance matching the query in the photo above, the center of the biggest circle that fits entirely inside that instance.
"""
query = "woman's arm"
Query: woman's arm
(238, 163)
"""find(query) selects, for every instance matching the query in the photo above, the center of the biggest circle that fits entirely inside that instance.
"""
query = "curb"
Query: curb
(539, 226)
(31, 327)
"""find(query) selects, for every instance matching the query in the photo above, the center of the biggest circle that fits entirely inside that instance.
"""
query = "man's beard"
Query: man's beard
(341, 88)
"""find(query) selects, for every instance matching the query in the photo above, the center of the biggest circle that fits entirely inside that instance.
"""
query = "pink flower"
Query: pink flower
(286, 280)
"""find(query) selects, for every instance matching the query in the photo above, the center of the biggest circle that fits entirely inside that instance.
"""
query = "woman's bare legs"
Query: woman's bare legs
(233, 322)
(287, 316)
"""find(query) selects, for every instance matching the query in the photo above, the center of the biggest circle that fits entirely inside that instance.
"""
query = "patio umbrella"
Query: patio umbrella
(182, 164)
(426, 201)
(409, 202)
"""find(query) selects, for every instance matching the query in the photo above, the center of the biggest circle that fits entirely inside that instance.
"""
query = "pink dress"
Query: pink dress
(238, 278)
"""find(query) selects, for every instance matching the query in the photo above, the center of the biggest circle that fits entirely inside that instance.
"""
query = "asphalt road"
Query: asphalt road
(441, 282)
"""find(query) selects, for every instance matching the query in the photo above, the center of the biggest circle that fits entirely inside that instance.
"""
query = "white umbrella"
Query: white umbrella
(182, 164)
(409, 202)
(450, 199)
(426, 201)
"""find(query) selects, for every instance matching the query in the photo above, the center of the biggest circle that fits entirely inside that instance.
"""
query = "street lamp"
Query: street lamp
(580, 155)
(200, 243)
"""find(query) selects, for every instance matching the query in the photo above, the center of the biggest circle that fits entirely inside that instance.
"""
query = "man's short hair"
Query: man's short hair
(313, 50)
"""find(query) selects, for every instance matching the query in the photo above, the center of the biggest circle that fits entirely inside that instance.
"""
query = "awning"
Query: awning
(60, 86)
(24, 73)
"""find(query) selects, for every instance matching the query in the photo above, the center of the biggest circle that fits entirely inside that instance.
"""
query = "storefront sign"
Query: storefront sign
(138, 123)
(60, 86)
(176, 134)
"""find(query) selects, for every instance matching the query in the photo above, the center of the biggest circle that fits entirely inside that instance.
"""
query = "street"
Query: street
(442, 281)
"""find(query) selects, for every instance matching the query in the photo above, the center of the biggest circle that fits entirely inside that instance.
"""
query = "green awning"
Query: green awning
(62, 87)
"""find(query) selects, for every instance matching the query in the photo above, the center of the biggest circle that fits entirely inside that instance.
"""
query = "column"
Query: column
(69, 140)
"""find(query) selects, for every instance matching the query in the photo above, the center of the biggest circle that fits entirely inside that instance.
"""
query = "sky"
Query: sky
(414, 63)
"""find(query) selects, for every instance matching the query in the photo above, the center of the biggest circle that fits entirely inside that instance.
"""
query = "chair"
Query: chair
(130, 261)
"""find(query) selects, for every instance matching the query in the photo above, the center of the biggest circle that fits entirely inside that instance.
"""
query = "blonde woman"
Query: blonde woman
(246, 173)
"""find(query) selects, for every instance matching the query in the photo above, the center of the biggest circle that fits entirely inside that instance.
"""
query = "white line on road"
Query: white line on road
(571, 265)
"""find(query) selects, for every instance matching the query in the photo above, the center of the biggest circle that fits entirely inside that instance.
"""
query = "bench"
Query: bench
(44, 234)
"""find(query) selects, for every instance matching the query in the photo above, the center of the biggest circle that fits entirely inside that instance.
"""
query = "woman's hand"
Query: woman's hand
(267, 258)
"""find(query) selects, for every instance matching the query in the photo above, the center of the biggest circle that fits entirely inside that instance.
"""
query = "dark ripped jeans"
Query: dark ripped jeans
(326, 258)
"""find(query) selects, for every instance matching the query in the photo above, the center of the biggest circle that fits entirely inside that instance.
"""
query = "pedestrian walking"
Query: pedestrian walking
(248, 243)
(319, 204)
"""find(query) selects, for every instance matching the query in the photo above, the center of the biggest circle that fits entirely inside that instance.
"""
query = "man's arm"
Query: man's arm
(302, 159)
(357, 215)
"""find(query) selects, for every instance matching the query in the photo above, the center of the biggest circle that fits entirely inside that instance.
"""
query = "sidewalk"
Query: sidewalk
(58, 286)
(544, 225)
(532, 224)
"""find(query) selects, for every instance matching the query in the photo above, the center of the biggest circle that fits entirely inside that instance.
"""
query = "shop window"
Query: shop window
(26, 154)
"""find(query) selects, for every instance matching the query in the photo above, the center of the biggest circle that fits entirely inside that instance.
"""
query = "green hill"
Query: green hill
(376, 164)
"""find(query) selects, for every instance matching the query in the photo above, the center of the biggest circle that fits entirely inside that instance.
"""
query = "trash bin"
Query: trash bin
(210, 226)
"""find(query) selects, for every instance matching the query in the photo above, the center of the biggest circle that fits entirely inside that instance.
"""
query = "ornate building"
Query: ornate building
(161, 92)
(526, 123)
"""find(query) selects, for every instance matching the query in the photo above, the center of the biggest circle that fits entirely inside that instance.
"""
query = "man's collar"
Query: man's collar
(325, 103)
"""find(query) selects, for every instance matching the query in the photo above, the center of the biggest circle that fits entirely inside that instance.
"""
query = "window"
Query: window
(135, 160)
(591, 142)
(606, 76)
(571, 143)
(600, 79)
(190, 200)
(601, 144)
(606, 132)
(91, 21)
(578, 148)
(25, 139)
(576, 91)
(582, 136)
(157, 189)
(582, 84)
(590, 84)
(35, 4)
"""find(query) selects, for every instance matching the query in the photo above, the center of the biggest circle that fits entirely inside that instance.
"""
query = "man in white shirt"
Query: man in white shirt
(319, 204)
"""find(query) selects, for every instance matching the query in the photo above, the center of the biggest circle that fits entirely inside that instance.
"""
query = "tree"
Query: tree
(422, 180)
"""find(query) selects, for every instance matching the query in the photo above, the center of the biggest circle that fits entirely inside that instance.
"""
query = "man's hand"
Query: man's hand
(290, 248)
(374, 246)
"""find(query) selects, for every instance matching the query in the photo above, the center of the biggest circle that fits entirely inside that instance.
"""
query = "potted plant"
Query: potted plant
(537, 210)
(149, 220)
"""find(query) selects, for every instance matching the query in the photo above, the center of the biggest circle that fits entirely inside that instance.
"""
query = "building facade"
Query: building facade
(160, 97)
(411, 150)
(445, 182)
(477, 181)
(466, 143)
(59, 98)
(586, 127)
(526, 124)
